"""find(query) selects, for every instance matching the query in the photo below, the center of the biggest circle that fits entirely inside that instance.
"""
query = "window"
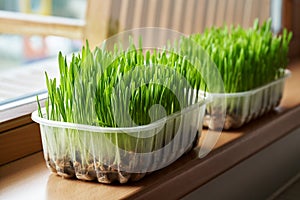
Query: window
(89, 20)
(24, 57)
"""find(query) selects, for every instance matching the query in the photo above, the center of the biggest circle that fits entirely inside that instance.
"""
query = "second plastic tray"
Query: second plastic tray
(242, 107)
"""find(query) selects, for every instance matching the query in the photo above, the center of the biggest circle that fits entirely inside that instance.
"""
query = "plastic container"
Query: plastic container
(243, 107)
(98, 153)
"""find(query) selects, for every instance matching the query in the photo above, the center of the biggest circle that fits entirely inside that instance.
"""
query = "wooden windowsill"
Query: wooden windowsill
(29, 177)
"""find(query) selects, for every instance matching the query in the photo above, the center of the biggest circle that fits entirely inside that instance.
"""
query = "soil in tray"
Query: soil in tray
(93, 170)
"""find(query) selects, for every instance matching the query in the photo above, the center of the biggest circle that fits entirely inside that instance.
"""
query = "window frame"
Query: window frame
(33, 24)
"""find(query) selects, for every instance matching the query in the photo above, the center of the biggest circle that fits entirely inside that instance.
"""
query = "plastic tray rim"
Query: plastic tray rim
(287, 73)
(100, 129)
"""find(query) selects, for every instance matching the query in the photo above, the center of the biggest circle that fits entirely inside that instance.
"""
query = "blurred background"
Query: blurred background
(19, 50)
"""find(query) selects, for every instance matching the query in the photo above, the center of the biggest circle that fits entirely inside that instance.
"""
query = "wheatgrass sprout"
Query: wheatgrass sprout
(246, 58)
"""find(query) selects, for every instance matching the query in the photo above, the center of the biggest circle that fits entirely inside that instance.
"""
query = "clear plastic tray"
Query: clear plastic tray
(100, 153)
(242, 107)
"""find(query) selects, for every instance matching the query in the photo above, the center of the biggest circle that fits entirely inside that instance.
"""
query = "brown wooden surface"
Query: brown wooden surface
(19, 142)
(19, 136)
(97, 21)
(290, 20)
(29, 177)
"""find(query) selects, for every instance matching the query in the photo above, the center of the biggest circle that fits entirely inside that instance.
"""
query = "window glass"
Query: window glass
(24, 59)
